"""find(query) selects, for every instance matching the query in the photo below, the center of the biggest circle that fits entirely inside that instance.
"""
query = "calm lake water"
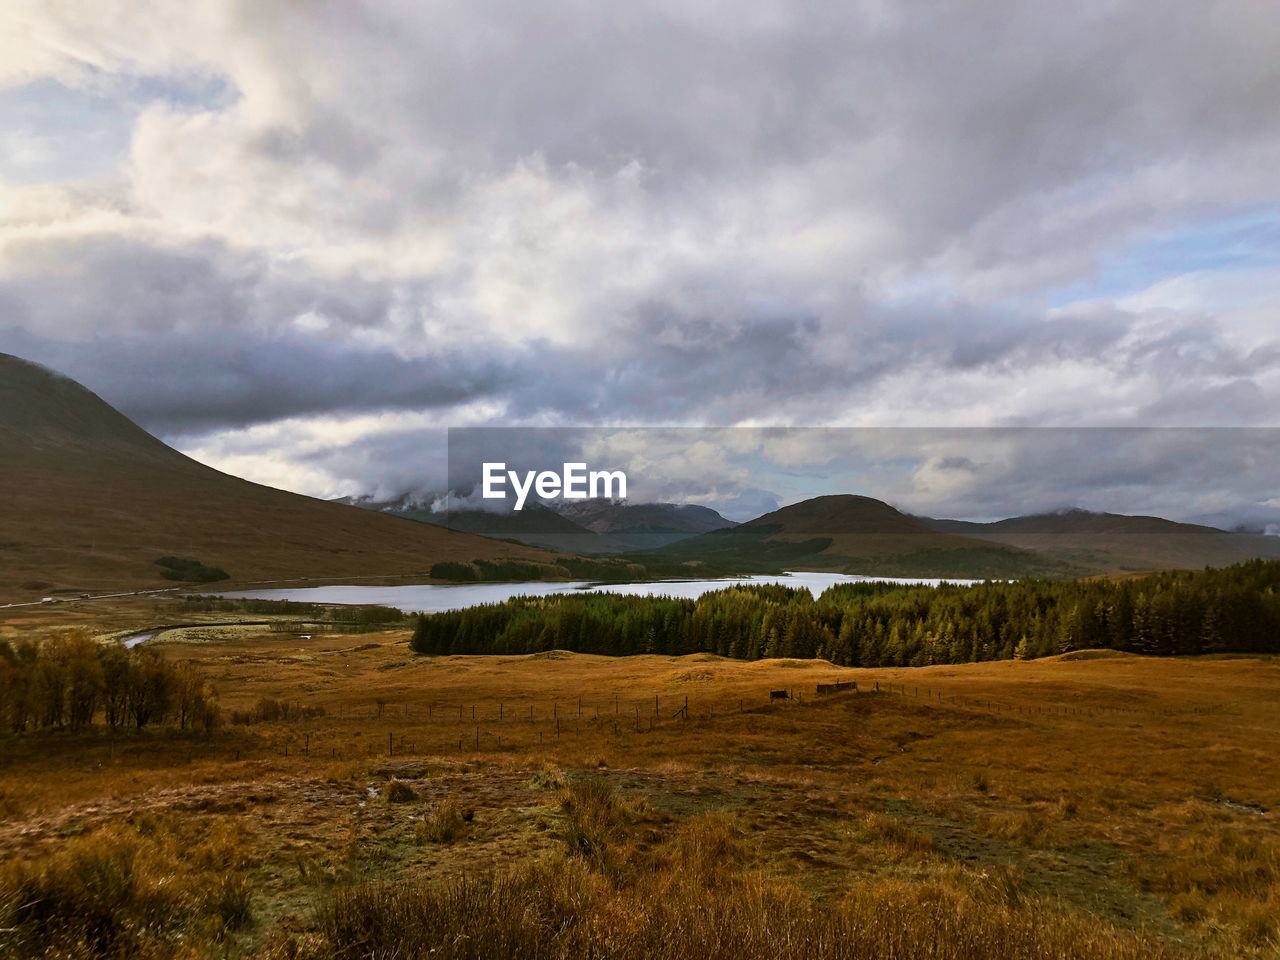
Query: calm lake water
(434, 598)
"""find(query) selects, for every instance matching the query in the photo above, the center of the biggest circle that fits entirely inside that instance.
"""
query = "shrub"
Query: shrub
(400, 792)
(445, 823)
(232, 902)
(99, 896)
(563, 910)
(589, 804)
(546, 779)
(268, 710)
(189, 570)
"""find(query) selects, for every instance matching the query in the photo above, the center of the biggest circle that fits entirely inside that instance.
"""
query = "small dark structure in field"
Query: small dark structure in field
(779, 695)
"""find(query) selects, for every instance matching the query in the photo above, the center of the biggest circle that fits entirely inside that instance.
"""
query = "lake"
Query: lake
(435, 598)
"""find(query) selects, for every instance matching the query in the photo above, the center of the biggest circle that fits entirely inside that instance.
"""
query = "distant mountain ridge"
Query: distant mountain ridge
(535, 525)
(1117, 543)
(1070, 521)
(642, 526)
(858, 534)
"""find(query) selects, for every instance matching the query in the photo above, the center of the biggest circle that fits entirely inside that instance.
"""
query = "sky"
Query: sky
(301, 241)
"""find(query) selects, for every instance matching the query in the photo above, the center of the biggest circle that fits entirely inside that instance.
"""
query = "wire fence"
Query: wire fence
(440, 727)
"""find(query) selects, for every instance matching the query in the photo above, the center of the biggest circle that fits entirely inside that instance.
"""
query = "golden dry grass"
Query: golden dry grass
(1127, 797)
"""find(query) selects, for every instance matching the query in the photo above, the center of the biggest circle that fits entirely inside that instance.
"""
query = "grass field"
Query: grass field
(1108, 806)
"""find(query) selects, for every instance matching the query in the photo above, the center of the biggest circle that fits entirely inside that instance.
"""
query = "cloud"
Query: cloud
(1225, 476)
(394, 217)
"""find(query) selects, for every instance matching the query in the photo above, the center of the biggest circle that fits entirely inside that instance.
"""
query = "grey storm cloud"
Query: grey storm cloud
(185, 383)
(398, 217)
(188, 385)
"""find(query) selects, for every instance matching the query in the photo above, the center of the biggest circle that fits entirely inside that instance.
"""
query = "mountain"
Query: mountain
(856, 534)
(89, 501)
(642, 526)
(1116, 543)
(568, 526)
(535, 525)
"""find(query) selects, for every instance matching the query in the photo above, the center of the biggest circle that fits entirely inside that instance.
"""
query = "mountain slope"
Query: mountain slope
(568, 526)
(89, 501)
(855, 534)
(1116, 543)
(535, 525)
(642, 526)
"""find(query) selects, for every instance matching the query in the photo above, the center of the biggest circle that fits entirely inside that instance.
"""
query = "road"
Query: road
(100, 596)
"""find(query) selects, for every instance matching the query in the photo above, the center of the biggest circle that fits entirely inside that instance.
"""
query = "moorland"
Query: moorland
(356, 799)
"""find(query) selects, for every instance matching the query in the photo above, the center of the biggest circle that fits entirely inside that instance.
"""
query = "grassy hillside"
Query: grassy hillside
(89, 502)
